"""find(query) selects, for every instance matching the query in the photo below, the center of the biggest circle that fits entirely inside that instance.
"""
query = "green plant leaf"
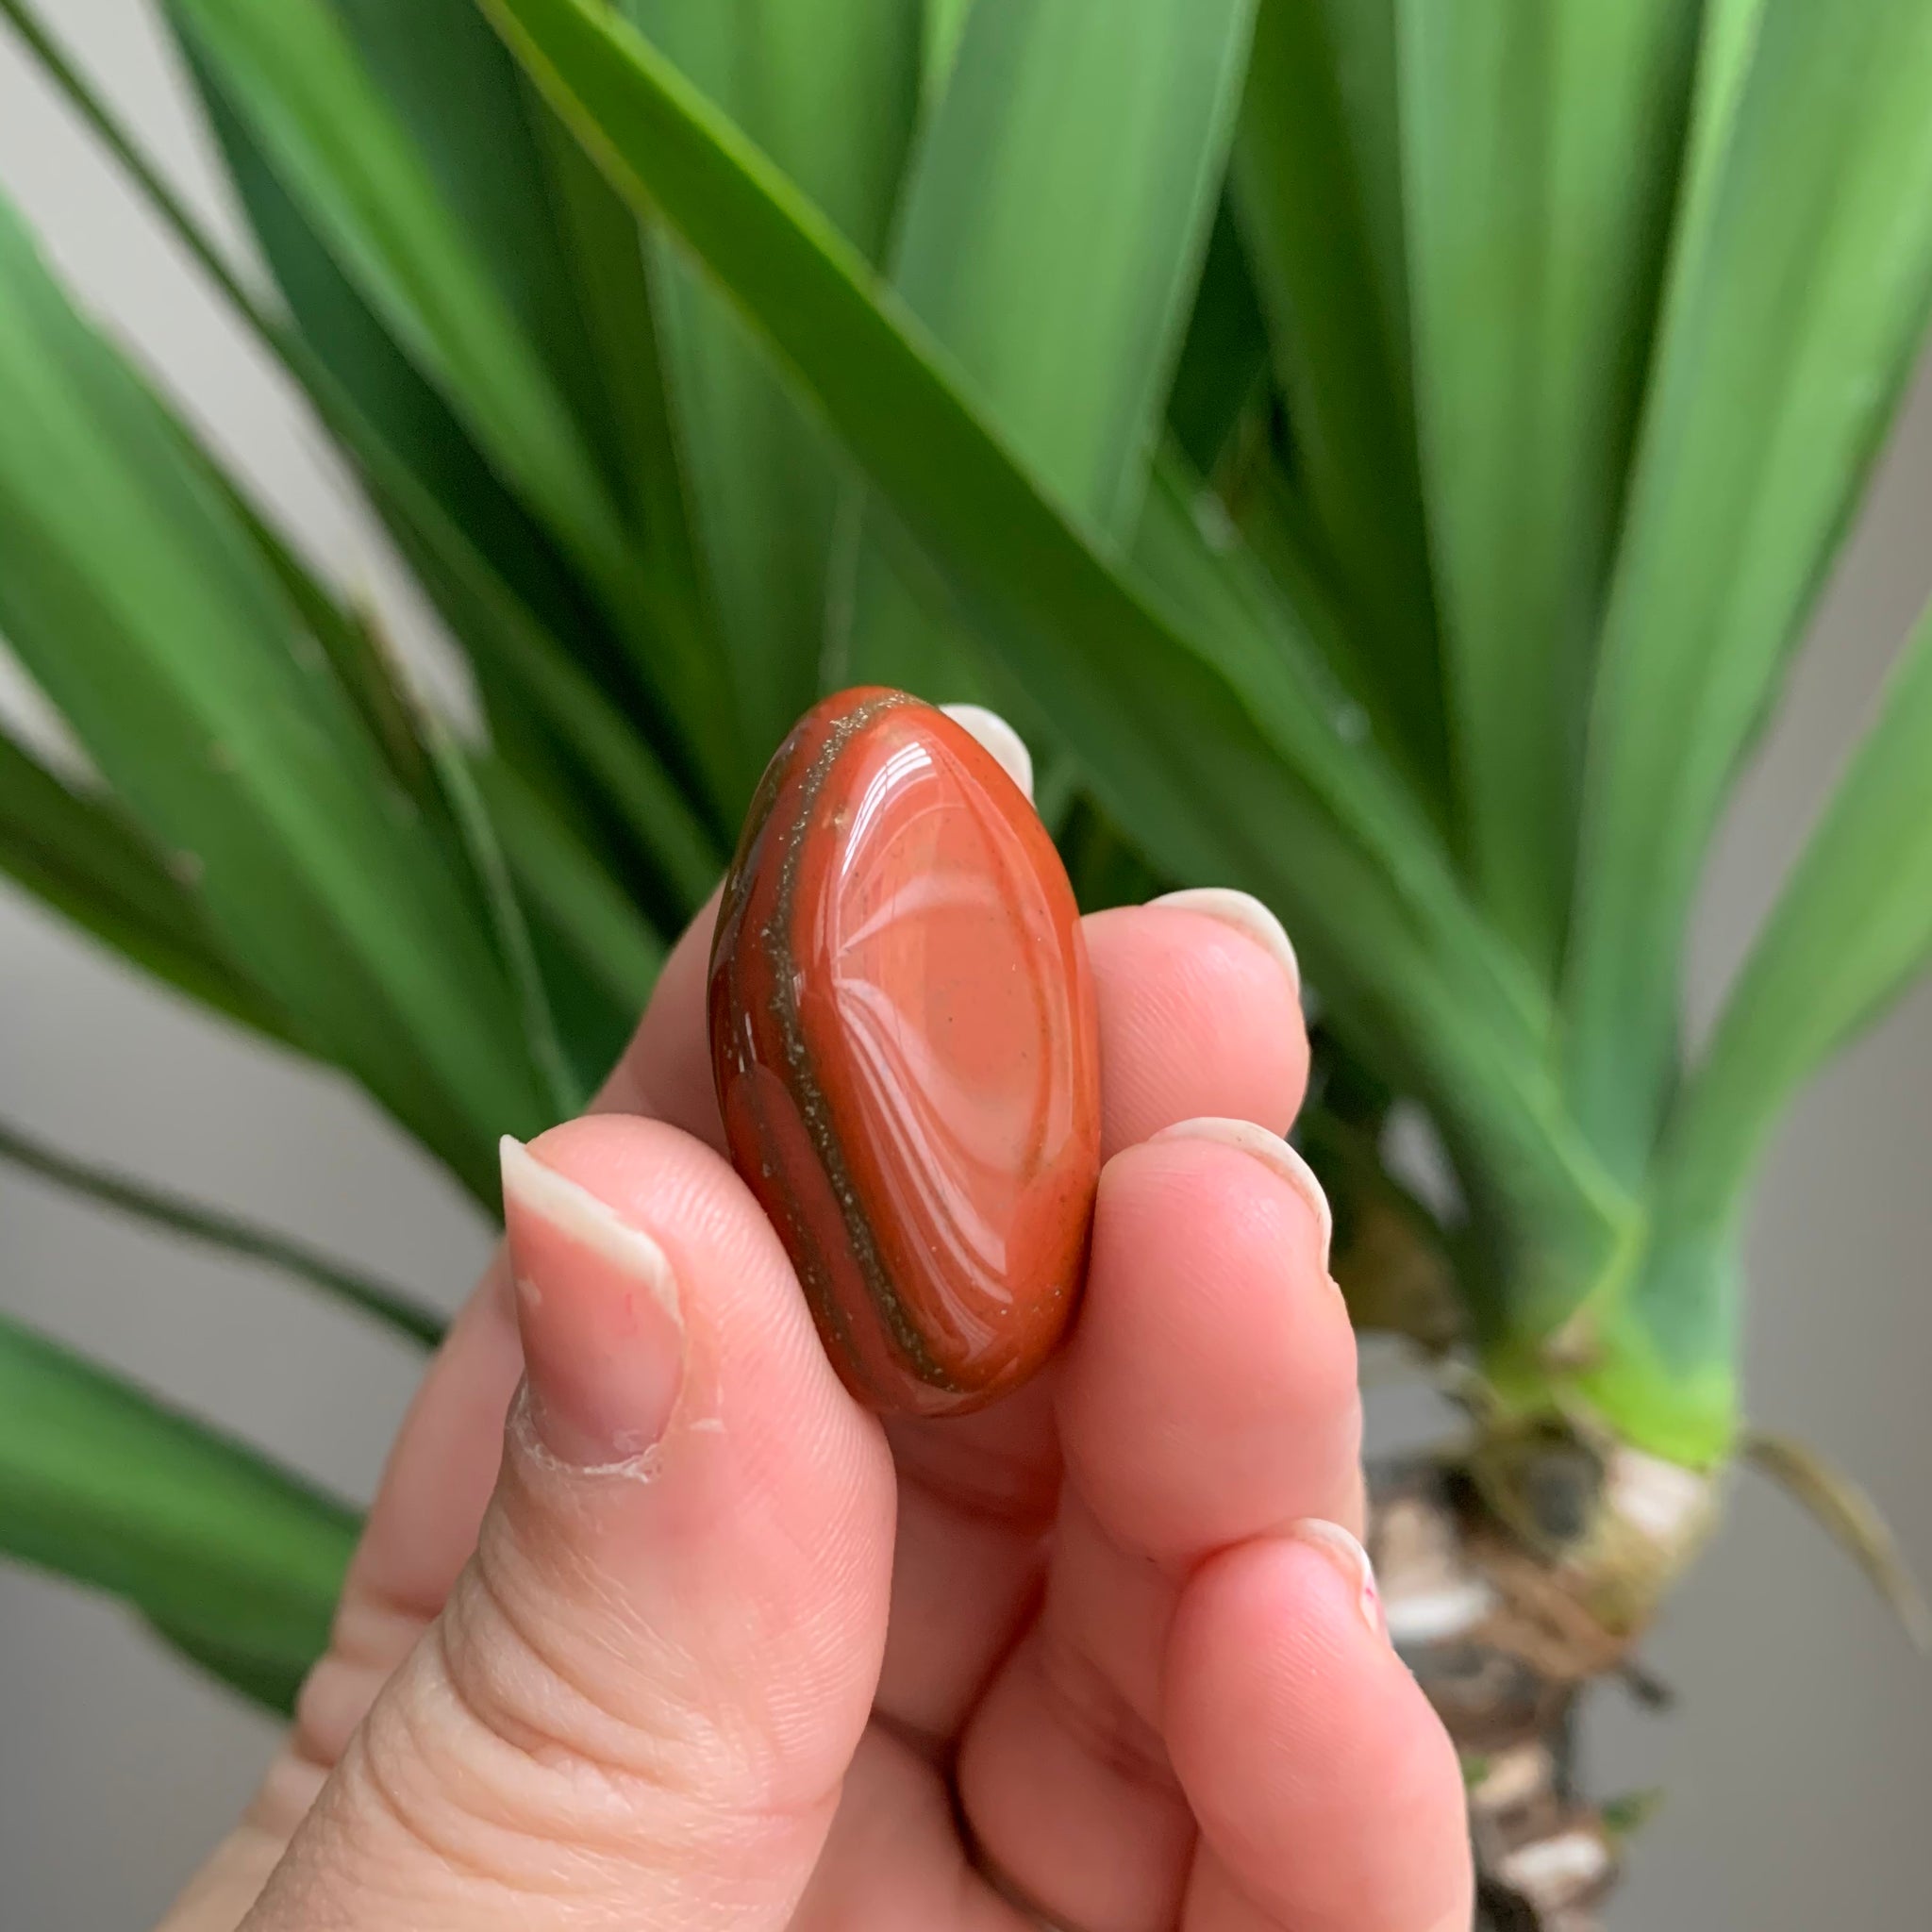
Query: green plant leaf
(416, 459)
(544, 701)
(486, 140)
(290, 72)
(102, 1484)
(1542, 148)
(477, 834)
(655, 811)
(537, 679)
(1317, 180)
(1276, 521)
(945, 20)
(1222, 369)
(273, 1683)
(460, 551)
(1796, 297)
(564, 884)
(608, 252)
(1206, 748)
(175, 1216)
(1104, 867)
(294, 353)
(1851, 931)
(1552, 1225)
(422, 332)
(599, 957)
(1076, 153)
(829, 91)
(358, 657)
(1728, 43)
(79, 853)
(568, 259)
(146, 615)
(425, 762)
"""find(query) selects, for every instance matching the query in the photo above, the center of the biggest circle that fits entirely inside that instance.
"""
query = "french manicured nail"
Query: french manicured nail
(1246, 914)
(1274, 1153)
(1352, 1561)
(598, 1309)
(1007, 748)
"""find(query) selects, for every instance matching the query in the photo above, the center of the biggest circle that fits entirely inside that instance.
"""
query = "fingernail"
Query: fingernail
(1352, 1561)
(597, 1308)
(998, 737)
(1274, 1153)
(1246, 914)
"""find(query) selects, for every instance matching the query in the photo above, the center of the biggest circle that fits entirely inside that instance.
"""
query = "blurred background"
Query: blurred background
(1798, 1781)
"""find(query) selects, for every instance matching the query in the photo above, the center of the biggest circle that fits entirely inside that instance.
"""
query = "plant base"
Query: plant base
(1507, 1632)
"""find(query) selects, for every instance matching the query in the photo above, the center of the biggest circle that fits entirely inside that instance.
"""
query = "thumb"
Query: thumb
(640, 1699)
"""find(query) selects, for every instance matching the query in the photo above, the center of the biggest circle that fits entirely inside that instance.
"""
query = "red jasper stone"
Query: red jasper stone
(903, 1039)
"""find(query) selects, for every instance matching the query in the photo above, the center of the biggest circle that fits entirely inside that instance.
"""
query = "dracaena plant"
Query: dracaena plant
(1382, 453)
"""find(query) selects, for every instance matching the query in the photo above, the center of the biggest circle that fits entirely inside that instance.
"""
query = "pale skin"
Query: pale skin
(1094, 1659)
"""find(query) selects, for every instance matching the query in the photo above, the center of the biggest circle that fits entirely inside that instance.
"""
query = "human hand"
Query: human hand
(697, 1642)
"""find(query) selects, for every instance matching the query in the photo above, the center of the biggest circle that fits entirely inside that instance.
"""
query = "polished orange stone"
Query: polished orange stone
(902, 1037)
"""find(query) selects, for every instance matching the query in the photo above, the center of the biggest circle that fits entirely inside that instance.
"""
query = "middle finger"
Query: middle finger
(1209, 1398)
(1199, 1013)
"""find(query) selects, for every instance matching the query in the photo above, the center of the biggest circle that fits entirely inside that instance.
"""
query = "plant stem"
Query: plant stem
(169, 205)
(400, 1310)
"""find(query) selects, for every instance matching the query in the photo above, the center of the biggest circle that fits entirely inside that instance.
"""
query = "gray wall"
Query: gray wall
(1799, 1767)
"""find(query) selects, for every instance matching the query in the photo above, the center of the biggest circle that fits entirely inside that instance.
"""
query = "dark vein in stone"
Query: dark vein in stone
(805, 1082)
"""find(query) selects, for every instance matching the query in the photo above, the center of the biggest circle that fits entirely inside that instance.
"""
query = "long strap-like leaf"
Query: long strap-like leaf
(1076, 155)
(1798, 294)
(100, 1482)
(139, 603)
(485, 138)
(348, 193)
(1852, 929)
(290, 70)
(391, 419)
(1206, 748)
(463, 556)
(80, 855)
(1542, 146)
(424, 759)
(1318, 180)
(829, 91)
(558, 875)
(1216, 406)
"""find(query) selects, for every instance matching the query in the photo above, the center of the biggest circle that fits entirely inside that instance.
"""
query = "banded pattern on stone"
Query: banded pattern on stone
(903, 1042)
